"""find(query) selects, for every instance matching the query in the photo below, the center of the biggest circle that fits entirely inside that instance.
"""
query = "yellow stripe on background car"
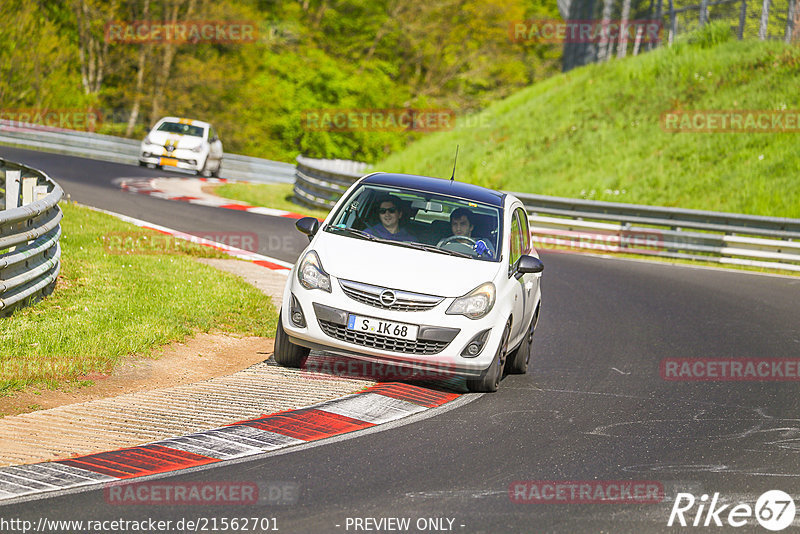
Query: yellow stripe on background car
(171, 143)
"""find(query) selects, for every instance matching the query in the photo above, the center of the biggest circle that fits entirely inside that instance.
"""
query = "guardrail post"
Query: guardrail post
(40, 192)
(12, 188)
(28, 188)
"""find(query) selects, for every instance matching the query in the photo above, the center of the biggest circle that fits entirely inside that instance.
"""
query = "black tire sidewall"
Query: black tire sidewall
(489, 381)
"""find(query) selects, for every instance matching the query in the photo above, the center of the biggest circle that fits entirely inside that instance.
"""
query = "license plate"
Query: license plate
(359, 323)
(172, 162)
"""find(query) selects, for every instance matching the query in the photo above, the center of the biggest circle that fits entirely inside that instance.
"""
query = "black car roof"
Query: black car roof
(438, 185)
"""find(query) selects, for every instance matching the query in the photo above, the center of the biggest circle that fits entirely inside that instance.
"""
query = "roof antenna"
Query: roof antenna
(454, 165)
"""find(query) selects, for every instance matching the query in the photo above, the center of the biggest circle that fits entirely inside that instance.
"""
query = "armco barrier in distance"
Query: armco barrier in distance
(126, 151)
(587, 226)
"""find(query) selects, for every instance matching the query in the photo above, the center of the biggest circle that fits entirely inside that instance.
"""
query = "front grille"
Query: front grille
(405, 300)
(376, 341)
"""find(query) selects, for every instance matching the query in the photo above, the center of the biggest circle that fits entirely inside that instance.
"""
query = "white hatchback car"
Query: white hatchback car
(420, 273)
(184, 144)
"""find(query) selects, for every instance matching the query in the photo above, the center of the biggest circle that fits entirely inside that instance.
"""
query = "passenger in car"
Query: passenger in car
(462, 223)
(390, 214)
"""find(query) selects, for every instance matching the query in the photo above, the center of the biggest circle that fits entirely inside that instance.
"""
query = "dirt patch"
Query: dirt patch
(210, 190)
(200, 358)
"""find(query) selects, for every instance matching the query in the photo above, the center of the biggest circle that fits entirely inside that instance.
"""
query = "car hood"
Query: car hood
(179, 141)
(401, 267)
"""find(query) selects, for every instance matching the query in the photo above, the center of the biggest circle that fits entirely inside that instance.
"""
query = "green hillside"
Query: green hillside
(596, 132)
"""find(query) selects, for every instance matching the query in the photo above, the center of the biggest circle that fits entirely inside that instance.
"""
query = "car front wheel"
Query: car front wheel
(203, 171)
(490, 380)
(287, 353)
(519, 358)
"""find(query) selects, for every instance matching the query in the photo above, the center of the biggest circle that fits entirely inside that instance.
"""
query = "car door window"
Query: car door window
(515, 244)
(525, 231)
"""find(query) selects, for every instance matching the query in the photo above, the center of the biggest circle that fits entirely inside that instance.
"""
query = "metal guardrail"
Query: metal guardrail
(320, 182)
(30, 254)
(576, 225)
(122, 150)
(609, 227)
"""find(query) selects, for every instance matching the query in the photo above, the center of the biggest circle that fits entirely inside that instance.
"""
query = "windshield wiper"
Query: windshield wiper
(353, 231)
(434, 248)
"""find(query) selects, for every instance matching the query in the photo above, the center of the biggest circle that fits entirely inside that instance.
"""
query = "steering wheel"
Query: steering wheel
(458, 239)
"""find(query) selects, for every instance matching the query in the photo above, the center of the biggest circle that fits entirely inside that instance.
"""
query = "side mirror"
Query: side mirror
(529, 264)
(308, 225)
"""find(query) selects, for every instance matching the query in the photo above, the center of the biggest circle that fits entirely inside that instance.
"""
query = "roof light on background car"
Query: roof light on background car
(475, 304)
(311, 275)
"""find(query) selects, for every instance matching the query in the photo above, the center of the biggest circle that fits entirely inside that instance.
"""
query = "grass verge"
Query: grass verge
(595, 132)
(277, 196)
(110, 305)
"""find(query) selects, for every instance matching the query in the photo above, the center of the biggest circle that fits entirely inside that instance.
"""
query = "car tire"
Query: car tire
(287, 353)
(204, 170)
(215, 172)
(489, 381)
(520, 357)
(142, 164)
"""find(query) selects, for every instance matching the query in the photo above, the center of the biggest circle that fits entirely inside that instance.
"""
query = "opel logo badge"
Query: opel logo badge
(388, 297)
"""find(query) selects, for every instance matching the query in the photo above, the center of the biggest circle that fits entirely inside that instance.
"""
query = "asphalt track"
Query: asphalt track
(594, 406)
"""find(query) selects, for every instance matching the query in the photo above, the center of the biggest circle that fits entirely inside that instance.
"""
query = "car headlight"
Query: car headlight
(147, 140)
(475, 304)
(197, 148)
(311, 275)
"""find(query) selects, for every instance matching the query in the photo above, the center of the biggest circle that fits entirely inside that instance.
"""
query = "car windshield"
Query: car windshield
(182, 129)
(417, 219)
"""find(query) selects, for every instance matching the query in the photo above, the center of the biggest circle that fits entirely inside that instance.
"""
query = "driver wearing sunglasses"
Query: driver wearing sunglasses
(390, 214)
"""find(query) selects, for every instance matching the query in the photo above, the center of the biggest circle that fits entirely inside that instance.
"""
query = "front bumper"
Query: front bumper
(441, 338)
(181, 158)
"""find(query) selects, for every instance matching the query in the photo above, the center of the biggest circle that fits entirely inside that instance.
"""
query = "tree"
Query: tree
(91, 16)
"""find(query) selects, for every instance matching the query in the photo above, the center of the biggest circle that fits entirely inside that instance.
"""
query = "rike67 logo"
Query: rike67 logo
(774, 510)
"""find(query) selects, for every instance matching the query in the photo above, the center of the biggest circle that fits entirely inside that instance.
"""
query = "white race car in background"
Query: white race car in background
(184, 144)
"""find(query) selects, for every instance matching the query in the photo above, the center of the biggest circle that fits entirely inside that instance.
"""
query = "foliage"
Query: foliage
(595, 132)
(309, 55)
(711, 35)
(38, 64)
